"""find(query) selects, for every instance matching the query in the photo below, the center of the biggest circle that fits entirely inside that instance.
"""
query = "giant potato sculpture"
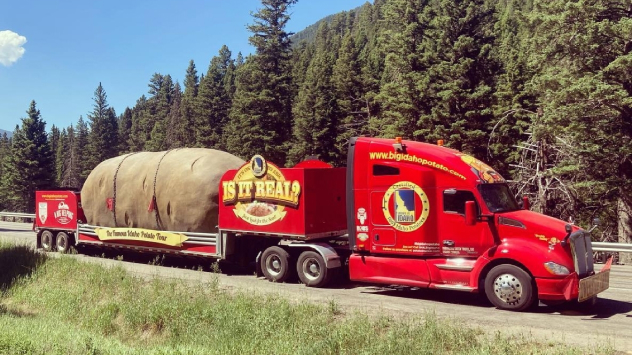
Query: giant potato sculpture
(176, 190)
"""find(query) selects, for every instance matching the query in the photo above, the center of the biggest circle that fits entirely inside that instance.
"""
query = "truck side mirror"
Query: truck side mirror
(525, 202)
(470, 213)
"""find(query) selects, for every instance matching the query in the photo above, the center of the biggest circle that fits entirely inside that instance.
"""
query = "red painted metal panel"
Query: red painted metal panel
(445, 275)
(389, 270)
(57, 210)
(558, 289)
(263, 204)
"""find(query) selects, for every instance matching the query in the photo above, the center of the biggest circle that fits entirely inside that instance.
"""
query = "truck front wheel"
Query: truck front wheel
(47, 240)
(312, 269)
(509, 287)
(275, 264)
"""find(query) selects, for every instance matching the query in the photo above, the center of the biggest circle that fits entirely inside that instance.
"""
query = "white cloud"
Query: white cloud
(11, 47)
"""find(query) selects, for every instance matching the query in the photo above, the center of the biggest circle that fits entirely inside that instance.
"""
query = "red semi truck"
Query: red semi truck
(401, 213)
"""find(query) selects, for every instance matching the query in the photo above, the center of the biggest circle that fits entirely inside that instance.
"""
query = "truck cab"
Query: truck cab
(427, 216)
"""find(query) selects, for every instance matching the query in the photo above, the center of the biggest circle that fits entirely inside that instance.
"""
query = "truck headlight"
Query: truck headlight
(556, 269)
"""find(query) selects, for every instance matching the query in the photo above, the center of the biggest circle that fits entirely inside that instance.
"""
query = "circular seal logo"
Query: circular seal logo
(405, 206)
(258, 166)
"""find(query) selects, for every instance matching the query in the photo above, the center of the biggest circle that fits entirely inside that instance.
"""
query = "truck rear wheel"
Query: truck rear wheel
(63, 242)
(47, 240)
(275, 264)
(509, 287)
(312, 269)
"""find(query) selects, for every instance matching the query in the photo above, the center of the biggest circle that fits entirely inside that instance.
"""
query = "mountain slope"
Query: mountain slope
(9, 134)
(309, 33)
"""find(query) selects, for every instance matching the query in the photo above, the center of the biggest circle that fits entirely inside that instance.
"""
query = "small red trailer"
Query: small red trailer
(401, 213)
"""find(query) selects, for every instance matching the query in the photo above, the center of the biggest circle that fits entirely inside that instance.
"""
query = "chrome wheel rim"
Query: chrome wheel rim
(508, 288)
(311, 269)
(274, 265)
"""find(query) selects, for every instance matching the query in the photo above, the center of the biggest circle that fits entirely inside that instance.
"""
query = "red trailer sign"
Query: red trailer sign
(301, 202)
(57, 209)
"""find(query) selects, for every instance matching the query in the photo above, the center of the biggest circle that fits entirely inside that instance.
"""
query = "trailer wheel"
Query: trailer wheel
(63, 242)
(47, 240)
(510, 288)
(312, 269)
(275, 264)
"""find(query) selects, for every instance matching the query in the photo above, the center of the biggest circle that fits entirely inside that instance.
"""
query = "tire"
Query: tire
(47, 240)
(509, 287)
(312, 269)
(275, 264)
(63, 242)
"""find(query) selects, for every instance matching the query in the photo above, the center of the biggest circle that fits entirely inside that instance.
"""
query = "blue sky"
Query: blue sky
(70, 46)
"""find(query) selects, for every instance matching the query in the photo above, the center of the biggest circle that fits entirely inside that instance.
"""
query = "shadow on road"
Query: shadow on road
(604, 309)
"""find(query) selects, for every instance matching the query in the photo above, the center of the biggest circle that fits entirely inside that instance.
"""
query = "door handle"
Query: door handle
(377, 237)
(448, 243)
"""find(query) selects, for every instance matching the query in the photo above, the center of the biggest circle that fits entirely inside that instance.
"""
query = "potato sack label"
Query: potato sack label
(260, 193)
(144, 235)
(405, 206)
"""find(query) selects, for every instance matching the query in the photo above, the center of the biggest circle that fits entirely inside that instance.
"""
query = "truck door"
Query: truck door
(458, 239)
(402, 204)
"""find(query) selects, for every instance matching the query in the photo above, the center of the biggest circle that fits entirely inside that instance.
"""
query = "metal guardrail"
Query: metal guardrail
(17, 215)
(612, 247)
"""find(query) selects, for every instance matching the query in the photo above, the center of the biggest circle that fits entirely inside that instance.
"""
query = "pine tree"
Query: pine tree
(53, 138)
(139, 130)
(72, 167)
(161, 88)
(213, 102)
(30, 166)
(124, 131)
(174, 138)
(187, 107)
(400, 94)
(316, 111)
(514, 105)
(103, 136)
(261, 116)
(81, 150)
(458, 85)
(61, 151)
(581, 52)
(351, 96)
(5, 150)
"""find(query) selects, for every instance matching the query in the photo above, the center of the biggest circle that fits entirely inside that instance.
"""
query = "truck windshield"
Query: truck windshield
(498, 197)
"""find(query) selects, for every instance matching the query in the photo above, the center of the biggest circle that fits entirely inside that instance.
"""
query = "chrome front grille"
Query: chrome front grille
(581, 246)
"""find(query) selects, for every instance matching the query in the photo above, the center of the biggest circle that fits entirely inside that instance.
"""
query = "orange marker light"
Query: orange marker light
(440, 142)
(398, 140)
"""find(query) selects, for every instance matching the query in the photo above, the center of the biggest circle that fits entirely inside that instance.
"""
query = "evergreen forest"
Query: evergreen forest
(539, 89)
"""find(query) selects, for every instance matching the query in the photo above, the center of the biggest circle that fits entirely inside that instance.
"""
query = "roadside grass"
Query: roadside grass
(64, 306)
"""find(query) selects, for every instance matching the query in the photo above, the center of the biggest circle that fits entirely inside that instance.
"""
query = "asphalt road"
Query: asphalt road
(610, 322)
